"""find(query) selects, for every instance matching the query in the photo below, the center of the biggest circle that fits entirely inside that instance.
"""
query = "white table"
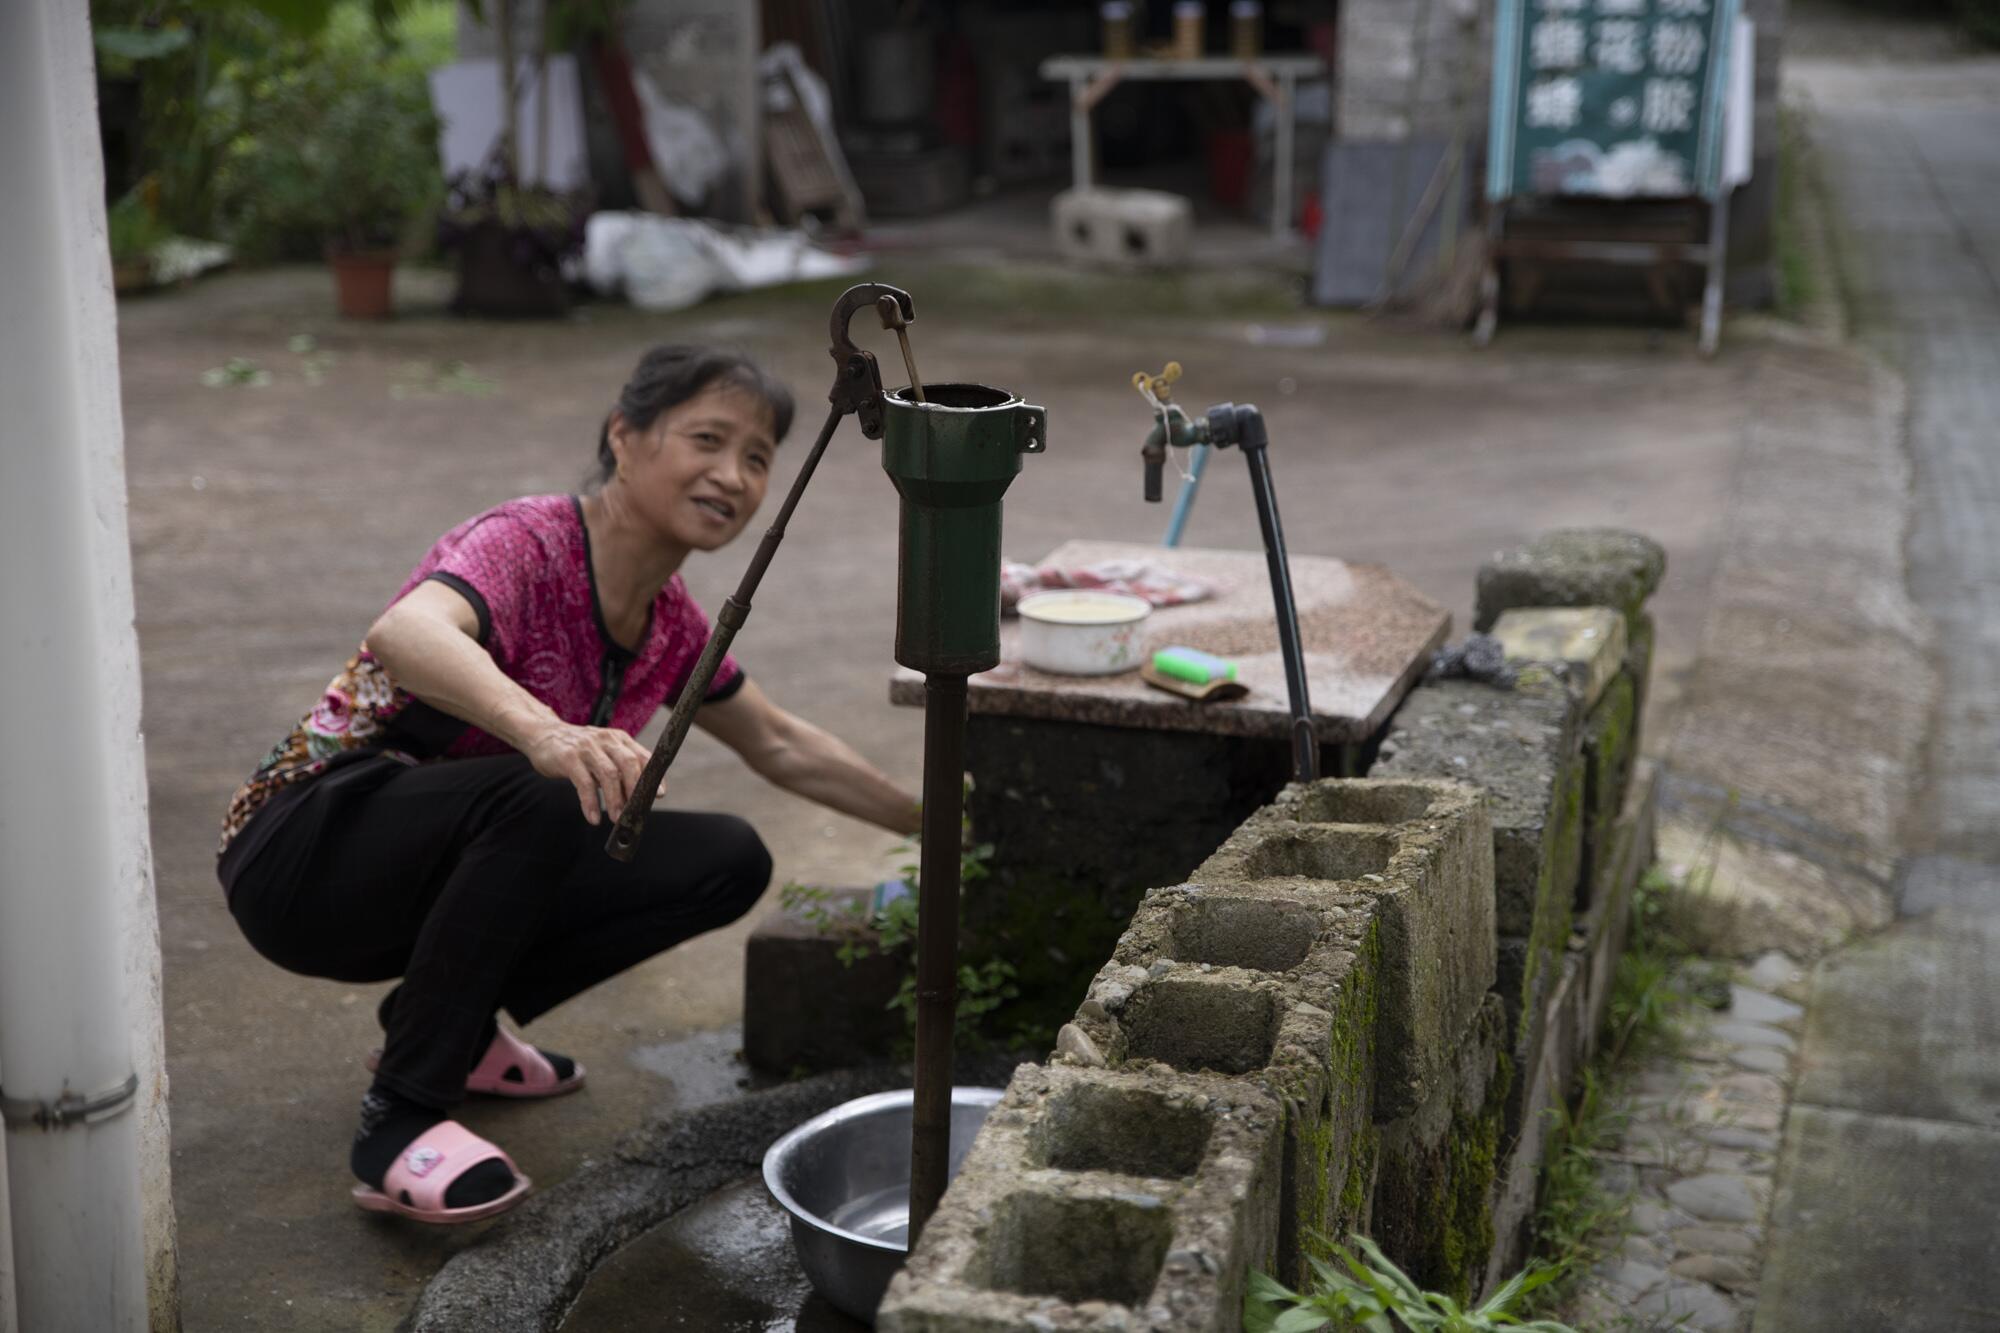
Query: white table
(1275, 78)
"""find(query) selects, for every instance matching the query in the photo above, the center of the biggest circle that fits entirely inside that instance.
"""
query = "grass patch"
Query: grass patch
(1660, 982)
(1798, 231)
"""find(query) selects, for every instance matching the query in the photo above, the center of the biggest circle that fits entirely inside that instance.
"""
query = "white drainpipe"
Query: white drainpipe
(66, 744)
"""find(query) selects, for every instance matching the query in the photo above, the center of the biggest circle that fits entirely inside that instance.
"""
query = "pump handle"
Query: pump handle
(857, 388)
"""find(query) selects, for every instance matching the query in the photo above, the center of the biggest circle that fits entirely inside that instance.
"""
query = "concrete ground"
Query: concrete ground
(1885, 1214)
(269, 523)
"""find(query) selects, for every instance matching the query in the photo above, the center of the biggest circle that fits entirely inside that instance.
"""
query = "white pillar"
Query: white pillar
(77, 943)
(9, 1323)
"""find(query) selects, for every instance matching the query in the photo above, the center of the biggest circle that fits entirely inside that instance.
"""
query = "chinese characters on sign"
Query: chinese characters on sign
(1611, 98)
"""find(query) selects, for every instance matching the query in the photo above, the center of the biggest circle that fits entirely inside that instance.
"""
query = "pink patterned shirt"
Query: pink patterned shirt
(525, 567)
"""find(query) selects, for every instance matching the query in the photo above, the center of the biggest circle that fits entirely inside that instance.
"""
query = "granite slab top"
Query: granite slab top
(1367, 635)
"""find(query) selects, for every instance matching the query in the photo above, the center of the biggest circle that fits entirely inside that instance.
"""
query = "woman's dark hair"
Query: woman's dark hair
(672, 373)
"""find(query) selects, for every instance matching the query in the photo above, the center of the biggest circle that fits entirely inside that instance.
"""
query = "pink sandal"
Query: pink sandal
(532, 1074)
(415, 1184)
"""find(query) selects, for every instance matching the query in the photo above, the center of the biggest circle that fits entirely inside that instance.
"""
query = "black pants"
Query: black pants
(480, 884)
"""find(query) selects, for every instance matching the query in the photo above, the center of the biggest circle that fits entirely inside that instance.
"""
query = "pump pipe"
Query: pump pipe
(857, 388)
(937, 945)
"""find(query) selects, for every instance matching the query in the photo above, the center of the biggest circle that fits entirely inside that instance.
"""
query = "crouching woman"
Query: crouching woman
(439, 817)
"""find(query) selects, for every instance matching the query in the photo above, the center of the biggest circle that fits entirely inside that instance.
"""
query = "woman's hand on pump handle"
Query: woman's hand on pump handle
(603, 763)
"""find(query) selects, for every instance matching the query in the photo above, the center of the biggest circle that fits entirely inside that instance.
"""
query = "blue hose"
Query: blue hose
(1197, 460)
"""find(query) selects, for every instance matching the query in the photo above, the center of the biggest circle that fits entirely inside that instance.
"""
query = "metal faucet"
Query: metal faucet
(1241, 425)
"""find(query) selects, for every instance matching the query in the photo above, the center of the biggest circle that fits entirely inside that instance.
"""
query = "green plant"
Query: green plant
(133, 227)
(1574, 1207)
(984, 984)
(1371, 1293)
(1658, 978)
(176, 82)
(344, 154)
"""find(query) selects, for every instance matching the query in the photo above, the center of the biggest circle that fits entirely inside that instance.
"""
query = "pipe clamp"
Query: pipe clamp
(69, 1109)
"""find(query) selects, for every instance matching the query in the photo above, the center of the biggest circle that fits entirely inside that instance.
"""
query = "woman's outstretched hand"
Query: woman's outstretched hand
(603, 763)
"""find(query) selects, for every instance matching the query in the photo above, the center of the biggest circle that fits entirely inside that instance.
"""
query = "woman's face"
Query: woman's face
(699, 472)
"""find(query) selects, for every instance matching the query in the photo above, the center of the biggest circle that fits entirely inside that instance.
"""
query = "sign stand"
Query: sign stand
(1609, 106)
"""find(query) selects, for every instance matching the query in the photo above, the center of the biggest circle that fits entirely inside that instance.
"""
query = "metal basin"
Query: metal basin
(844, 1177)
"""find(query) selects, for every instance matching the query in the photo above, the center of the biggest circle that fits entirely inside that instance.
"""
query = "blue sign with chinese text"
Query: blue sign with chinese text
(1609, 98)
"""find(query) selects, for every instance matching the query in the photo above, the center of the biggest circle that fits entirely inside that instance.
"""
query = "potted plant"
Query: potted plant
(134, 230)
(511, 240)
(344, 159)
(510, 232)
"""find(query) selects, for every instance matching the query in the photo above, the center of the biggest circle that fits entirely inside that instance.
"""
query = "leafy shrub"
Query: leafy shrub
(340, 151)
(133, 227)
(182, 89)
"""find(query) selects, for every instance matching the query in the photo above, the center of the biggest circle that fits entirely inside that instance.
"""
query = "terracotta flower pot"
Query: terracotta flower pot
(361, 282)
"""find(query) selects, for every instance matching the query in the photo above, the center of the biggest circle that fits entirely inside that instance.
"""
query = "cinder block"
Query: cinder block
(1288, 971)
(1101, 1199)
(1433, 1198)
(1570, 1025)
(1601, 932)
(1639, 638)
(1122, 228)
(1587, 641)
(1522, 746)
(1259, 995)
(1539, 1085)
(803, 1008)
(1572, 567)
(1610, 745)
(1423, 851)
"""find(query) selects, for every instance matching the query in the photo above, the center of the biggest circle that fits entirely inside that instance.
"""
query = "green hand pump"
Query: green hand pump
(951, 450)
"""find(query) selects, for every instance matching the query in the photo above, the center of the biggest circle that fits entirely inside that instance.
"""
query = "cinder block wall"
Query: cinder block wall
(1352, 1018)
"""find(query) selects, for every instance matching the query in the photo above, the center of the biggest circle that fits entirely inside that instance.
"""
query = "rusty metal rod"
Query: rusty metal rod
(937, 944)
(894, 319)
(623, 844)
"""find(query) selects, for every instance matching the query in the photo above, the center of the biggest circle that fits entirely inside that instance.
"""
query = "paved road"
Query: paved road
(1887, 1216)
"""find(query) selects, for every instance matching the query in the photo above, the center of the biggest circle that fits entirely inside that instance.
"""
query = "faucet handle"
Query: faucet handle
(1157, 389)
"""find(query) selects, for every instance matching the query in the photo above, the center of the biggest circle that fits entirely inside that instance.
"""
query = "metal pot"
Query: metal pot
(844, 1177)
(1082, 632)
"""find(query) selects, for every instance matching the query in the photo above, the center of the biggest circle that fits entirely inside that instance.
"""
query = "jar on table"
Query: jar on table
(1117, 18)
(1246, 29)
(1188, 16)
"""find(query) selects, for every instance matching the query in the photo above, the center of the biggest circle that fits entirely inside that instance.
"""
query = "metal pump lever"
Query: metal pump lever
(857, 388)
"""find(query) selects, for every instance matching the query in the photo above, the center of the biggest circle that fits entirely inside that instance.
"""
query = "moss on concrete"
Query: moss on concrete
(1433, 1198)
(1332, 1147)
(1609, 737)
(1555, 897)
(1351, 1213)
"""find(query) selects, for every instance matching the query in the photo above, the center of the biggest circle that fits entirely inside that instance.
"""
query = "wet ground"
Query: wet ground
(723, 1266)
(271, 519)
